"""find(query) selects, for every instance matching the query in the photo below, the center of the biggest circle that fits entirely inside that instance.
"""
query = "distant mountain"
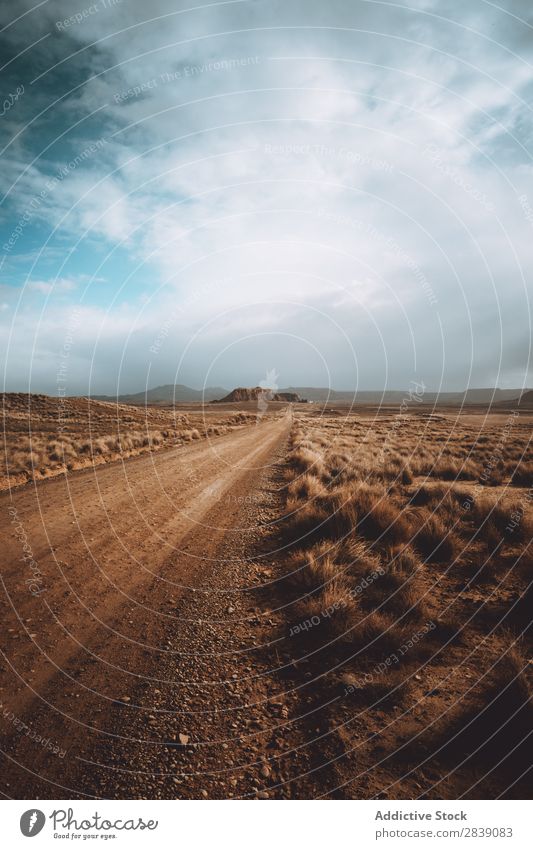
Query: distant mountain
(524, 401)
(243, 394)
(319, 394)
(167, 394)
(484, 396)
(394, 396)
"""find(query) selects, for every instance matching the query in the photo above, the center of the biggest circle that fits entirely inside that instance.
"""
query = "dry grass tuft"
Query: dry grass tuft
(45, 436)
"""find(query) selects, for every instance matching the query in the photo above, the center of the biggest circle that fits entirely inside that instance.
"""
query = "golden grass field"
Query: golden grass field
(411, 598)
(45, 436)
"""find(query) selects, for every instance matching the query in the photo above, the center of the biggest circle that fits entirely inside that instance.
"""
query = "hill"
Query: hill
(170, 393)
(395, 396)
(167, 394)
(243, 394)
(524, 401)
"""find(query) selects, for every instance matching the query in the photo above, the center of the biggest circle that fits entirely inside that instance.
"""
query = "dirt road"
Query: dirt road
(99, 572)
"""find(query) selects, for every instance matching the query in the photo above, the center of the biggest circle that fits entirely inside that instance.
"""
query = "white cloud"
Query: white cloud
(46, 287)
(366, 155)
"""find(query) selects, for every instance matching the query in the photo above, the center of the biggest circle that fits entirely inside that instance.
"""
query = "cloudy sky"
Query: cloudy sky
(338, 193)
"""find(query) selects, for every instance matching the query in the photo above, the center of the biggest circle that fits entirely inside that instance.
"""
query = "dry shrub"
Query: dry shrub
(403, 559)
(306, 487)
(331, 516)
(394, 469)
(90, 430)
(438, 494)
(40, 456)
(431, 537)
(99, 446)
(55, 451)
(305, 524)
(485, 564)
(126, 443)
(359, 560)
(398, 590)
(312, 568)
(307, 444)
(452, 470)
(337, 465)
(397, 594)
(305, 459)
(494, 475)
(335, 609)
(33, 460)
(502, 521)
(406, 476)
(425, 495)
(522, 475)
(17, 462)
(379, 518)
